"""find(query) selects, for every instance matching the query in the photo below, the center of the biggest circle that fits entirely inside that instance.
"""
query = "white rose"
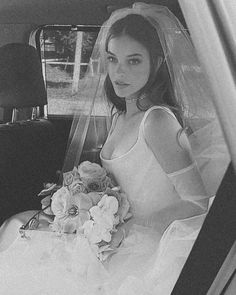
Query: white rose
(91, 170)
(76, 187)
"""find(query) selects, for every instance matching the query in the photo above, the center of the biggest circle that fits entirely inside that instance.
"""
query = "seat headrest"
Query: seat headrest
(21, 79)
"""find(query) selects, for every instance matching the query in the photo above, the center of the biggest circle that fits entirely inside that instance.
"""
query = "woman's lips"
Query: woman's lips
(121, 84)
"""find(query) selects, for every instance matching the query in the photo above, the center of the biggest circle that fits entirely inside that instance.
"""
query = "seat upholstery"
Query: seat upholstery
(28, 158)
(32, 152)
(28, 150)
(21, 79)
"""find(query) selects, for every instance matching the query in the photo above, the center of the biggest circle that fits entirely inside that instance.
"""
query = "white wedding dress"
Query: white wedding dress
(148, 261)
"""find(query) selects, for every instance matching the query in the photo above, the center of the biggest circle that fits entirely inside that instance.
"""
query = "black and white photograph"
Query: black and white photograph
(117, 147)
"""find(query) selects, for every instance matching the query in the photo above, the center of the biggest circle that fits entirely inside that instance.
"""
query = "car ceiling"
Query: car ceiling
(93, 12)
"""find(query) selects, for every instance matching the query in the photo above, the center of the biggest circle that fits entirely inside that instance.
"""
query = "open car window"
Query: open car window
(65, 53)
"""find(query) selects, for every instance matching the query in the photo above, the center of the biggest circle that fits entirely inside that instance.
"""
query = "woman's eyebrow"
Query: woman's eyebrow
(134, 54)
(109, 52)
(130, 55)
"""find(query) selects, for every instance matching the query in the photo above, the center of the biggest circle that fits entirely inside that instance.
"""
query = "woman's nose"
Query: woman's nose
(120, 68)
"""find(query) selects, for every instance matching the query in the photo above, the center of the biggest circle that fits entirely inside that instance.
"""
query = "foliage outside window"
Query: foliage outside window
(65, 53)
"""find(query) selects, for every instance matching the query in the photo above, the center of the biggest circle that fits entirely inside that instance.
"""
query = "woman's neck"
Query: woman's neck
(131, 108)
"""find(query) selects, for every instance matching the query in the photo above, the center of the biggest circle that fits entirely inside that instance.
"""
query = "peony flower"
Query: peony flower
(88, 203)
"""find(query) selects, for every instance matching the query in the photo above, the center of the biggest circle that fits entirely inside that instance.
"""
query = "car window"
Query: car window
(65, 53)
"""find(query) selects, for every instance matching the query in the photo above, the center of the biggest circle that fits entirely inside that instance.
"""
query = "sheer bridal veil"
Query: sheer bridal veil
(190, 88)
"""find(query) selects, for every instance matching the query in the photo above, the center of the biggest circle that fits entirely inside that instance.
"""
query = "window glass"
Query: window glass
(65, 53)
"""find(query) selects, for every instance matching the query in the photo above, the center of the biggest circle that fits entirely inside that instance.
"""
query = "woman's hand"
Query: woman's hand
(120, 234)
(117, 238)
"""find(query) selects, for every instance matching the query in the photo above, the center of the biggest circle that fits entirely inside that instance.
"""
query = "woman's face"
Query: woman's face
(128, 65)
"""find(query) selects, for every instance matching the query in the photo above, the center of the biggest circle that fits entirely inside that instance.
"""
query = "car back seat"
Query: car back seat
(28, 149)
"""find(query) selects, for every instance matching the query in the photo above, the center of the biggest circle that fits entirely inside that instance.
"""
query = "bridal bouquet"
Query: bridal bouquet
(88, 203)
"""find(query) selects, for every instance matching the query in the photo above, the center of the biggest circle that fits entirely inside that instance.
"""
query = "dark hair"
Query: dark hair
(158, 87)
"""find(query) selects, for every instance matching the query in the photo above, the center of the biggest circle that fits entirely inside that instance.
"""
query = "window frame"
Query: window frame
(210, 26)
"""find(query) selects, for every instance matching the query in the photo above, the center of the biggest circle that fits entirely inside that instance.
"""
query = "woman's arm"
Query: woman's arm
(174, 155)
(161, 131)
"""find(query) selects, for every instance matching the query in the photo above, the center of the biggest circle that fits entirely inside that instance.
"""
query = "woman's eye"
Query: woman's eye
(134, 61)
(111, 59)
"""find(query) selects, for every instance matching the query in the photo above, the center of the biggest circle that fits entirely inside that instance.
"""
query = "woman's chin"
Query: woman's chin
(122, 91)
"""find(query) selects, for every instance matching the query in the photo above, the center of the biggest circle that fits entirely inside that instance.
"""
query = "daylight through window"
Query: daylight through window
(65, 54)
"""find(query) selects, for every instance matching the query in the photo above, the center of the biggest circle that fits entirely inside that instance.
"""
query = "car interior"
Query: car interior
(34, 134)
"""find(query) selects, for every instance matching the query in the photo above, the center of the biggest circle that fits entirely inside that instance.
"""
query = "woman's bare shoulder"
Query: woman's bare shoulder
(161, 121)
(161, 130)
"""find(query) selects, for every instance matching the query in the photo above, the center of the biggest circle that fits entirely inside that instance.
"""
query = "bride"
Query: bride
(150, 65)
